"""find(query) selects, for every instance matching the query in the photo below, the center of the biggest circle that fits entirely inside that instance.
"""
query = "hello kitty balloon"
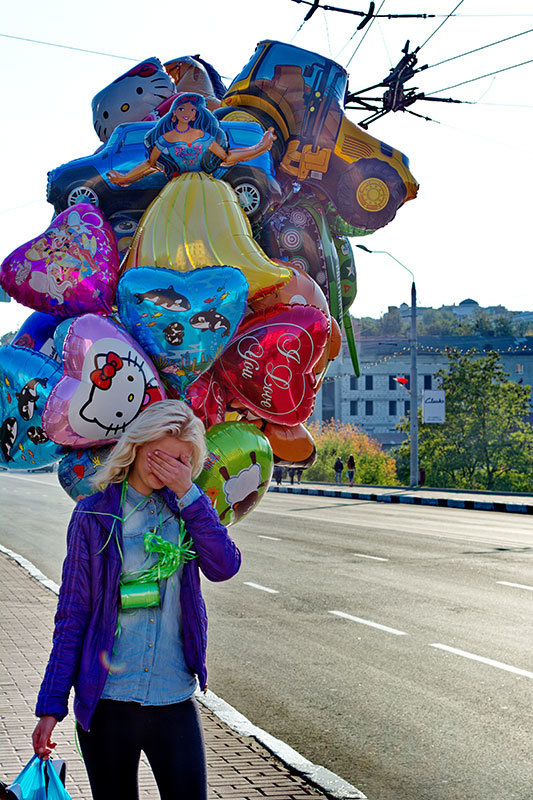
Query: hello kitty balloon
(107, 381)
(132, 97)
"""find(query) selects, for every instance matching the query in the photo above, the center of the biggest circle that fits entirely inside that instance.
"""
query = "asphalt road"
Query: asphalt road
(419, 687)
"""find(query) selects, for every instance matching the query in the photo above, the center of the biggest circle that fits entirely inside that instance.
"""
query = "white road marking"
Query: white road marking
(368, 622)
(483, 660)
(516, 585)
(263, 588)
(272, 538)
(374, 558)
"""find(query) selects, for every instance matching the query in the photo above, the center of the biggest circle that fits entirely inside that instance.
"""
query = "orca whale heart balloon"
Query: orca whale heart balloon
(269, 365)
(184, 321)
(70, 269)
(108, 380)
(26, 379)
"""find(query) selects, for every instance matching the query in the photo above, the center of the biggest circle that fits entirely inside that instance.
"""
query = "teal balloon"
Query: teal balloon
(238, 469)
(26, 379)
(78, 467)
(183, 320)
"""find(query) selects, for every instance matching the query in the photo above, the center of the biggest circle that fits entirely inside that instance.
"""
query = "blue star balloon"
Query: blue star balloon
(183, 320)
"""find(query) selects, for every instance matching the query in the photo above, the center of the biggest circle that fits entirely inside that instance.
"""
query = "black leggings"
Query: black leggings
(171, 737)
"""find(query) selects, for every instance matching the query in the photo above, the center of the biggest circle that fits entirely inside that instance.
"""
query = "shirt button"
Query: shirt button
(152, 511)
(146, 669)
(152, 620)
(150, 645)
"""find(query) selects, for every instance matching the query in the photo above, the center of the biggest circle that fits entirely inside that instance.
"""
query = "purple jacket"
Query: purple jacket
(88, 606)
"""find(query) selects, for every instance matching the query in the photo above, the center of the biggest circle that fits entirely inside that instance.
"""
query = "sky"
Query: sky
(468, 233)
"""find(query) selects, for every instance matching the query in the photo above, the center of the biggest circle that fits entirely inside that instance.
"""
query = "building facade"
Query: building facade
(376, 401)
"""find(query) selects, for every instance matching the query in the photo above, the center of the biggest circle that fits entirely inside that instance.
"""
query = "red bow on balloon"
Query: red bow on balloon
(103, 376)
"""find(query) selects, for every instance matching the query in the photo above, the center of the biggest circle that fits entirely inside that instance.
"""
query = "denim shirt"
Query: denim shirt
(148, 664)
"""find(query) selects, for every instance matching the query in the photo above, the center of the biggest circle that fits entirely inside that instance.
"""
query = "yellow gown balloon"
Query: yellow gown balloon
(196, 221)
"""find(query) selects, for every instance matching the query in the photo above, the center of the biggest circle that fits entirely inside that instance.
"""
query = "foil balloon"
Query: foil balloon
(299, 233)
(301, 289)
(77, 468)
(26, 379)
(196, 221)
(207, 398)
(237, 470)
(184, 321)
(108, 380)
(70, 269)
(292, 446)
(37, 333)
(131, 97)
(301, 94)
(269, 365)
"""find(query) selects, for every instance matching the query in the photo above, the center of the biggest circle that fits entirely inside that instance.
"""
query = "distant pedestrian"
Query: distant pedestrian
(292, 473)
(350, 468)
(299, 474)
(278, 474)
(338, 467)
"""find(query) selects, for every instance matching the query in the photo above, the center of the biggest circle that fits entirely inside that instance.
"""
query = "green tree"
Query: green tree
(486, 442)
(439, 322)
(332, 439)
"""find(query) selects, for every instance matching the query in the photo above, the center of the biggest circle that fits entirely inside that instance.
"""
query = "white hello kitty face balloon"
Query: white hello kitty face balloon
(131, 97)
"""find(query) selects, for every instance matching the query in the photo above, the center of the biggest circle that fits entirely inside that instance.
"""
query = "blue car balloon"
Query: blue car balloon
(183, 320)
(26, 379)
(76, 470)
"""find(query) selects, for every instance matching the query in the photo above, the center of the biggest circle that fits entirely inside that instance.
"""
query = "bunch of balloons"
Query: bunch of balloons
(240, 322)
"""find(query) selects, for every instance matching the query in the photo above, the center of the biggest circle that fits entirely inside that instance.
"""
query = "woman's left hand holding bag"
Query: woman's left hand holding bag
(42, 736)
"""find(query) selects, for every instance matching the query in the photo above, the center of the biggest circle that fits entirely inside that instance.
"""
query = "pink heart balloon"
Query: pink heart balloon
(268, 366)
(70, 269)
(108, 380)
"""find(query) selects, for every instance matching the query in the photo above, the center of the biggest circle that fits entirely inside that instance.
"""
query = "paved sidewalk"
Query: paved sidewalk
(443, 498)
(238, 767)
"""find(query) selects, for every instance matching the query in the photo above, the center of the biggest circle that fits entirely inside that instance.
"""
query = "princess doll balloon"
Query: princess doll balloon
(189, 139)
(196, 220)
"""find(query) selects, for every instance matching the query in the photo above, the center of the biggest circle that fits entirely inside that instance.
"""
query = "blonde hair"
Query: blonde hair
(164, 418)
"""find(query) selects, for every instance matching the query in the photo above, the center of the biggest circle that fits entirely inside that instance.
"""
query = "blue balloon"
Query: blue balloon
(183, 320)
(26, 380)
(60, 333)
(78, 467)
(37, 333)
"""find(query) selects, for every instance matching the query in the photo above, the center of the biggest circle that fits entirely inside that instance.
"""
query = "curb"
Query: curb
(323, 779)
(440, 502)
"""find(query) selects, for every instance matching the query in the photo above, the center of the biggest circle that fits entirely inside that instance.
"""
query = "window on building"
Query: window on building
(369, 382)
(353, 382)
(407, 407)
(393, 408)
(369, 408)
(392, 383)
(353, 408)
(427, 381)
(519, 369)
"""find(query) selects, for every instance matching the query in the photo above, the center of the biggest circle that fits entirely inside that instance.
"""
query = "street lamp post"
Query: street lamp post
(413, 377)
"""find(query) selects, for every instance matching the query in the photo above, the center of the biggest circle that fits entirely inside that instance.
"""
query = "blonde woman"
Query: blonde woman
(130, 628)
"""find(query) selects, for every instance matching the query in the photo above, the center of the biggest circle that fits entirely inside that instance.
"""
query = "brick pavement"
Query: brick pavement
(238, 767)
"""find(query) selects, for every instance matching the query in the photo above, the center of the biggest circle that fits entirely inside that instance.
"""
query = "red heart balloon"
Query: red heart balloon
(207, 398)
(79, 470)
(269, 364)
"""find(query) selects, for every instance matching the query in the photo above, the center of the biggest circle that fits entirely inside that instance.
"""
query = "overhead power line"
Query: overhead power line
(67, 47)
(477, 49)
(480, 77)
(440, 26)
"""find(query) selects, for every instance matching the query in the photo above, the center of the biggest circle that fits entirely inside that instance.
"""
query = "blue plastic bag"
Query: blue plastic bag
(39, 781)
